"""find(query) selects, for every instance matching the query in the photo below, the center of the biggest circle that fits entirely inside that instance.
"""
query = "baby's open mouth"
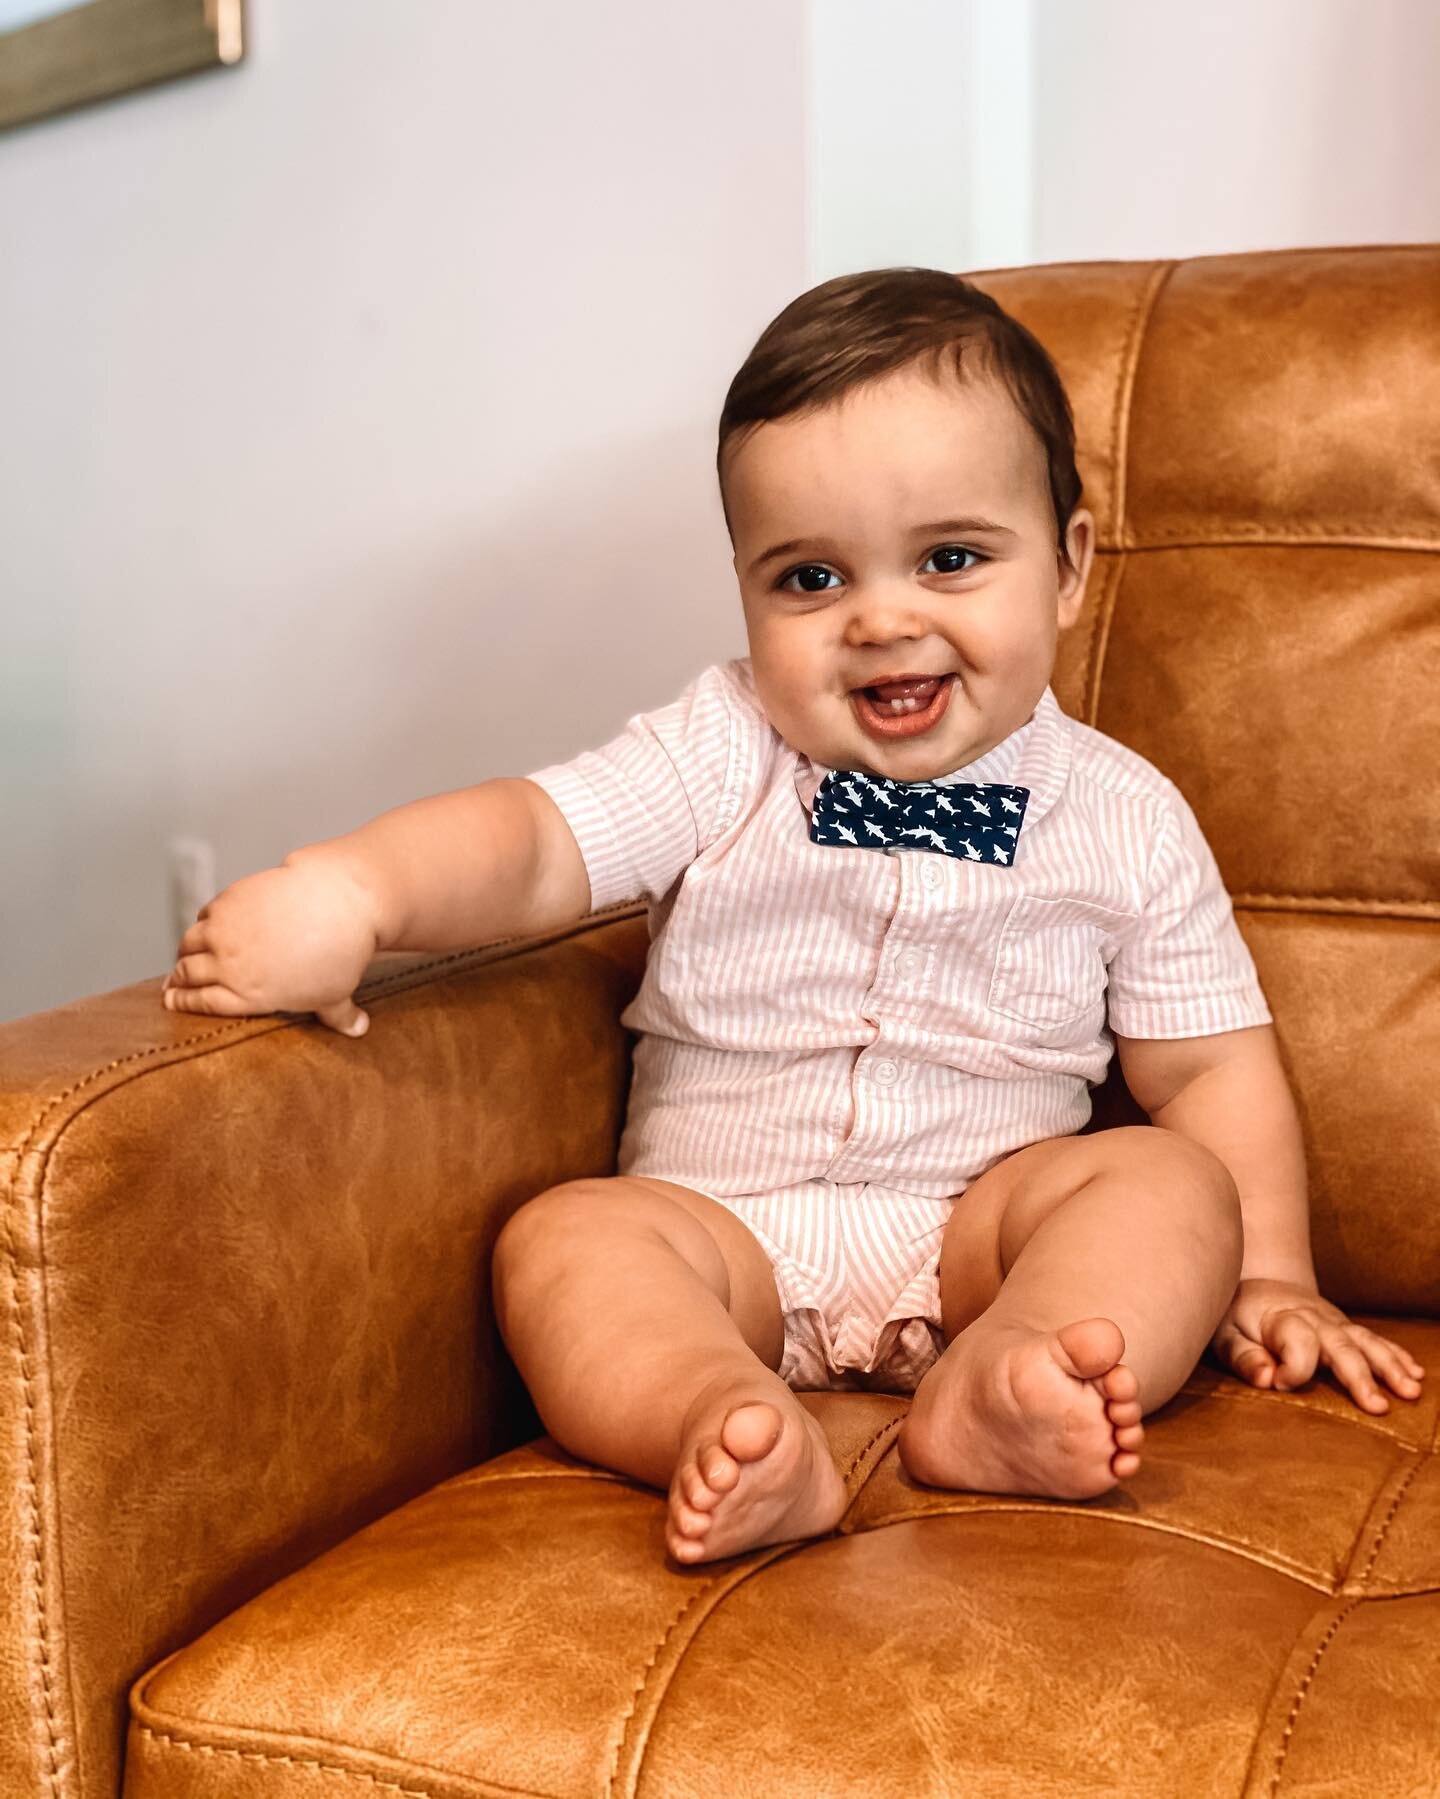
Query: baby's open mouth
(905, 696)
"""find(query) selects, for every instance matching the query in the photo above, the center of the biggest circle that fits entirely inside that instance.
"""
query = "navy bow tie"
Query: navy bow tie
(979, 821)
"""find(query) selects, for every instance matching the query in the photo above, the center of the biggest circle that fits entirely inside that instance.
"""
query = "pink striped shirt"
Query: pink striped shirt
(812, 1011)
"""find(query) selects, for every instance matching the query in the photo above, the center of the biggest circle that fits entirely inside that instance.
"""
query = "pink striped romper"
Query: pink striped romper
(833, 1042)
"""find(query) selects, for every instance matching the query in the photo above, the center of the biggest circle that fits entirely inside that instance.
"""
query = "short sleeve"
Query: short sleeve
(1183, 969)
(644, 805)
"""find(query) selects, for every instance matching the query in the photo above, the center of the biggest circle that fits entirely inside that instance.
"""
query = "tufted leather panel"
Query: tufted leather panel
(245, 1267)
(268, 1464)
(1221, 1623)
(1257, 437)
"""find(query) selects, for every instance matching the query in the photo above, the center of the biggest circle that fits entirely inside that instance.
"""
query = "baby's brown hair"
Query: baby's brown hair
(855, 328)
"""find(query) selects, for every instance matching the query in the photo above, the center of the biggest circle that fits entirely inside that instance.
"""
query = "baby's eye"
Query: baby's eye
(805, 568)
(950, 550)
(954, 549)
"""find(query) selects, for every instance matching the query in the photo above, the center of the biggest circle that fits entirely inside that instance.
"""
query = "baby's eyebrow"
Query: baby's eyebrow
(971, 526)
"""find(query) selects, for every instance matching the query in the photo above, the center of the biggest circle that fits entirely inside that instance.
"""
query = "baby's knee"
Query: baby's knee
(536, 1232)
(589, 1221)
(1155, 1147)
(1184, 1172)
(1197, 1183)
(1201, 1170)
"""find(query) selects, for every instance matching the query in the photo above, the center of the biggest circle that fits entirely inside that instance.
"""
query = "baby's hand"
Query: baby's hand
(297, 938)
(1270, 1320)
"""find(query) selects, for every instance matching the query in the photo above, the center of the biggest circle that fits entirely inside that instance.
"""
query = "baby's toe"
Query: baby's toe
(697, 1493)
(1130, 1436)
(719, 1470)
(1119, 1382)
(687, 1521)
(1124, 1465)
(1123, 1411)
(751, 1431)
(684, 1549)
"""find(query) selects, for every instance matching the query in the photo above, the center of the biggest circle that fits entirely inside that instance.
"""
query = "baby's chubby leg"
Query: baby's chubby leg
(645, 1322)
(1081, 1279)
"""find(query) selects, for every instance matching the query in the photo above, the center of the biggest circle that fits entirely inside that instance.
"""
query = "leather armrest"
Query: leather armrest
(247, 1281)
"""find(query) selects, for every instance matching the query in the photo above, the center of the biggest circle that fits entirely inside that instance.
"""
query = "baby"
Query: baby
(902, 909)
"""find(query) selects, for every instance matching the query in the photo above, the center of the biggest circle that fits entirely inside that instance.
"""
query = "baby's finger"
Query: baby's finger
(1390, 1361)
(1243, 1355)
(1351, 1367)
(345, 1017)
(213, 999)
(1295, 1343)
(1401, 1355)
(195, 971)
(1253, 1362)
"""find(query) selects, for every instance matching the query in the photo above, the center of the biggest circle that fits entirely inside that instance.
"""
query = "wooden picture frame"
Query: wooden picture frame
(103, 47)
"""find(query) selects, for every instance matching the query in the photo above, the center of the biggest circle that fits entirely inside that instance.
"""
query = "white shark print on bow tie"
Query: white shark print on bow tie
(848, 803)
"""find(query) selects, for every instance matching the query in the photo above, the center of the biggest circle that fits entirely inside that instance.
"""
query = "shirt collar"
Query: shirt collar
(1036, 755)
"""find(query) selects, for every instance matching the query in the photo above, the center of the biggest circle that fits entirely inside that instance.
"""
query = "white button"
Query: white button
(908, 961)
(885, 1072)
(929, 873)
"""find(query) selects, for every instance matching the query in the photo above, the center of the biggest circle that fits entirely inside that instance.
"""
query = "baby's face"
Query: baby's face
(875, 578)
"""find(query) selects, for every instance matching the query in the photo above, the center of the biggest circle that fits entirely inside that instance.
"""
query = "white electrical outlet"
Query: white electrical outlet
(192, 881)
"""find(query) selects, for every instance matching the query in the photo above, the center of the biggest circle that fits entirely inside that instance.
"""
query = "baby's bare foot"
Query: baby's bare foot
(750, 1471)
(1012, 1409)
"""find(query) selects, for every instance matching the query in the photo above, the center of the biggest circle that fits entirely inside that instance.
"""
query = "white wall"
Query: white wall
(921, 134)
(357, 406)
(981, 134)
(1198, 130)
(358, 428)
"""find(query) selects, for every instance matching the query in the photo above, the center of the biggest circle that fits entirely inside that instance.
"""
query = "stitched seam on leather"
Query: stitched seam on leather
(1349, 535)
(1239, 1547)
(1380, 1534)
(1383, 1528)
(1235, 536)
(1120, 450)
(1125, 391)
(726, 1580)
(892, 1424)
(1100, 637)
(479, 1477)
(1352, 904)
(267, 1021)
(169, 1739)
(1248, 1395)
(630, 1710)
(34, 1566)
(1303, 1688)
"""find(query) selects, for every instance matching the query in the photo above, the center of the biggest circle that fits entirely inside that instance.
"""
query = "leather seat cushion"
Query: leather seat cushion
(1257, 1609)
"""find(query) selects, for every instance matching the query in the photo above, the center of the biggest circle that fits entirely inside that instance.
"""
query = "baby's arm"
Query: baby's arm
(458, 869)
(447, 872)
(1229, 1092)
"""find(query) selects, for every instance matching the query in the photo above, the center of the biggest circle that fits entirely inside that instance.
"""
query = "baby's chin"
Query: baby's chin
(907, 759)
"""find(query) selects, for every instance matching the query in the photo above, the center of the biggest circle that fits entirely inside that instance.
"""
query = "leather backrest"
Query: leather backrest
(1259, 440)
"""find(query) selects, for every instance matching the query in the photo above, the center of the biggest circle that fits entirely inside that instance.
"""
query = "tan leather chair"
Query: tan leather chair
(280, 1518)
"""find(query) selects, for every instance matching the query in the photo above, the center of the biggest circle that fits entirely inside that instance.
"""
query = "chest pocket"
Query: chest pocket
(1051, 959)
